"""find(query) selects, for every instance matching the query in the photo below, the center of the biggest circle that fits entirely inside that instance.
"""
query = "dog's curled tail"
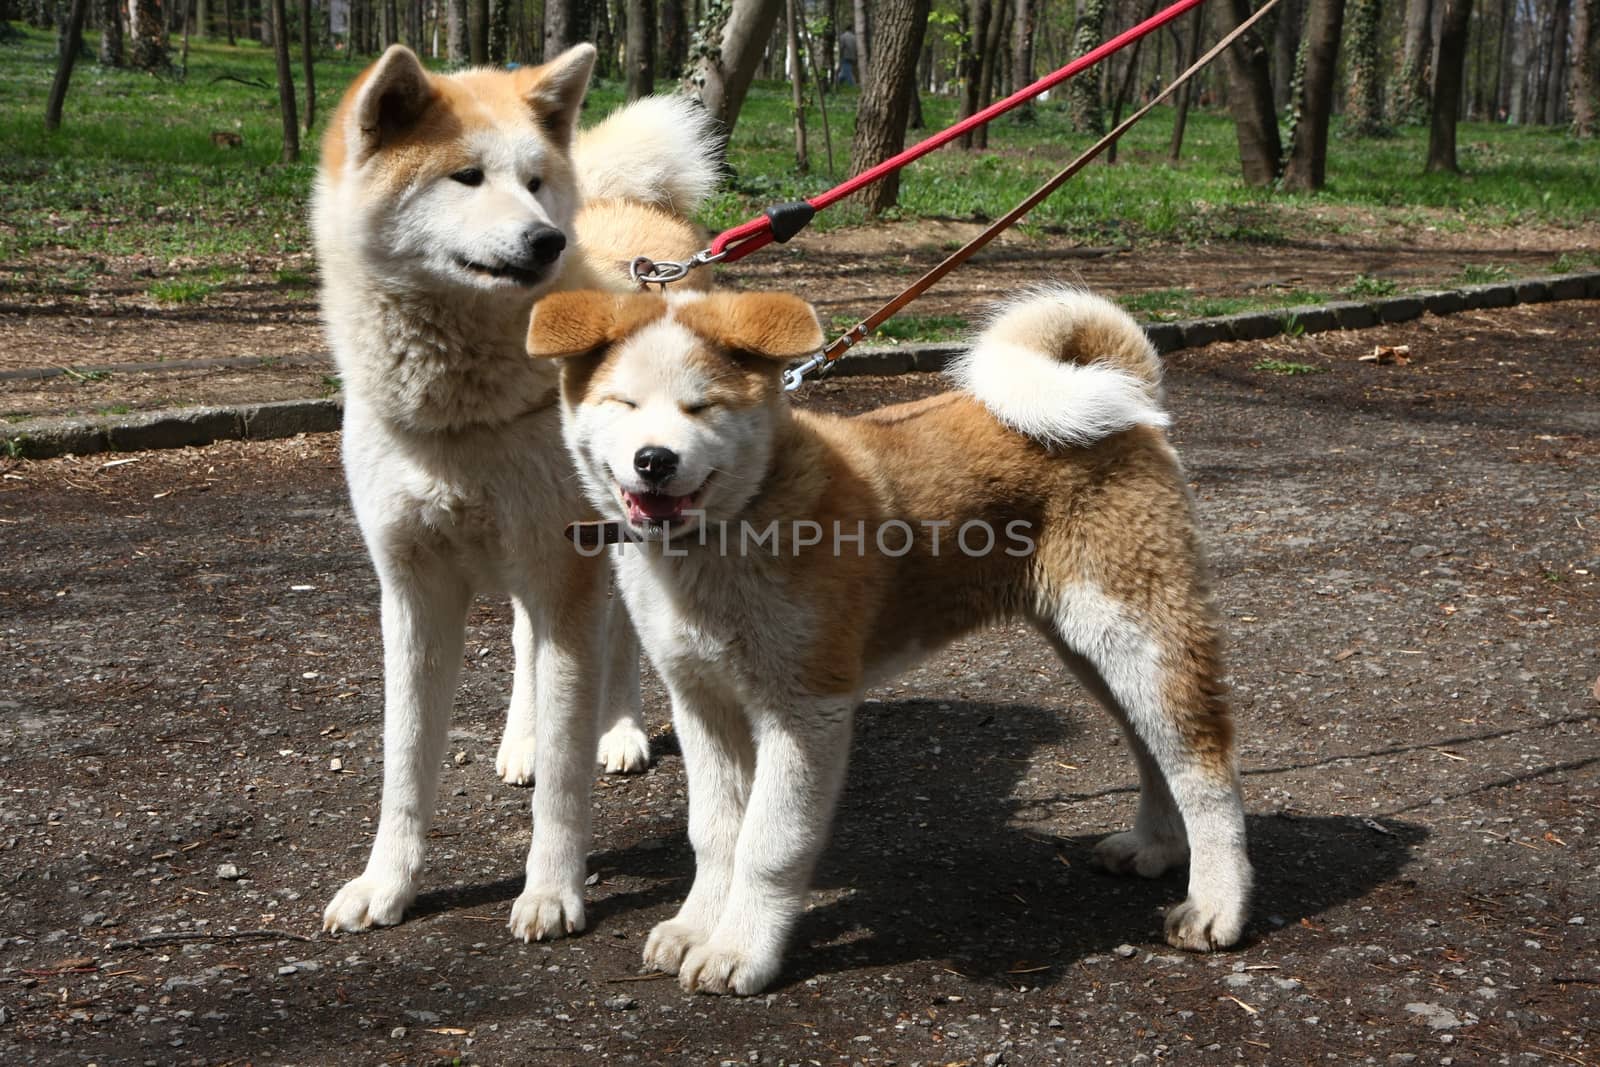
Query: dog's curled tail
(660, 150)
(1064, 367)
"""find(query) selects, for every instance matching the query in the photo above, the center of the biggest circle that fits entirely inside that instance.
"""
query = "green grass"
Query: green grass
(911, 328)
(1483, 274)
(1285, 367)
(133, 171)
(180, 291)
(1367, 285)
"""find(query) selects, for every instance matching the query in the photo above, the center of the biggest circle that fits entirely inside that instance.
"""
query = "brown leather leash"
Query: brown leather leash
(853, 336)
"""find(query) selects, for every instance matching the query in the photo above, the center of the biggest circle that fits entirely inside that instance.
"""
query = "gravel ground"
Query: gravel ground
(1407, 559)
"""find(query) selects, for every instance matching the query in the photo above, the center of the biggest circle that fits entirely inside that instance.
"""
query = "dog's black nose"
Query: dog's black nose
(544, 244)
(655, 464)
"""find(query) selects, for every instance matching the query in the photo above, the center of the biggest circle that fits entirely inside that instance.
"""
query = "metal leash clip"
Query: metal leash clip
(646, 271)
(795, 376)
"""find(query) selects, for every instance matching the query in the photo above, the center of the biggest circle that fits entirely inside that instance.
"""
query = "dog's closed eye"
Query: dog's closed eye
(699, 409)
(623, 401)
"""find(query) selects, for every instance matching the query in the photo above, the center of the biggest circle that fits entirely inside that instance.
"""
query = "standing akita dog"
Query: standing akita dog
(445, 205)
(790, 560)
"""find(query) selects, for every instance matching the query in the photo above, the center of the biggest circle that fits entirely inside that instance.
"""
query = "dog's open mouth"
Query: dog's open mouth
(645, 509)
(520, 275)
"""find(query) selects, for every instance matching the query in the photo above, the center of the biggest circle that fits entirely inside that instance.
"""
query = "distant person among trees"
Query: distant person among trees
(847, 58)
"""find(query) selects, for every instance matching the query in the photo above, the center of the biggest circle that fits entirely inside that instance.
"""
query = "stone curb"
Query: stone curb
(43, 438)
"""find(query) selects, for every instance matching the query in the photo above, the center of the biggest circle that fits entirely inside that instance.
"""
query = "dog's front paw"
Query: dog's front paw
(1131, 852)
(366, 902)
(1203, 926)
(624, 749)
(546, 914)
(514, 762)
(670, 942)
(719, 968)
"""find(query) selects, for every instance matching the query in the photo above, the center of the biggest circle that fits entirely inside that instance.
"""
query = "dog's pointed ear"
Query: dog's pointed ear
(555, 90)
(579, 322)
(393, 94)
(774, 325)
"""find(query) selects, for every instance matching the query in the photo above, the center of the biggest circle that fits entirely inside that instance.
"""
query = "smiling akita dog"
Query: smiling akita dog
(790, 560)
(445, 205)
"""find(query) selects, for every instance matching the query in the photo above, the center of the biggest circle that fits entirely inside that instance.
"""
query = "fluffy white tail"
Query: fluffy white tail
(1064, 367)
(660, 150)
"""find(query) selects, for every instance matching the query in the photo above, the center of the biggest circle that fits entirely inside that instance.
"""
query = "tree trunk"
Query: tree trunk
(1191, 52)
(720, 75)
(1410, 103)
(478, 32)
(202, 19)
(969, 63)
(1447, 85)
(797, 85)
(147, 28)
(863, 32)
(1556, 70)
(641, 48)
(1286, 27)
(1125, 85)
(989, 65)
(499, 43)
(1250, 97)
(1586, 69)
(886, 96)
(227, 16)
(1308, 154)
(674, 41)
(280, 50)
(307, 65)
(71, 43)
(1364, 100)
(1022, 29)
(457, 50)
(110, 33)
(1083, 92)
(1517, 72)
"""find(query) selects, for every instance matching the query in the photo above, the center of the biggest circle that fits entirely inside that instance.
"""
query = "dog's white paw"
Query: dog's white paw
(1131, 852)
(366, 902)
(624, 749)
(1202, 926)
(546, 914)
(514, 761)
(719, 968)
(670, 942)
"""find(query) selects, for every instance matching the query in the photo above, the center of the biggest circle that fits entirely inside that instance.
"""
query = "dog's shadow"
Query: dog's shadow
(947, 848)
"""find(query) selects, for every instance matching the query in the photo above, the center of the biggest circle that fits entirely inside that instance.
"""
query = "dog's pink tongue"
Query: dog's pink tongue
(654, 506)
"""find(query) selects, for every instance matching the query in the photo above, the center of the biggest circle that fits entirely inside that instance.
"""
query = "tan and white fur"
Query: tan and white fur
(679, 427)
(445, 205)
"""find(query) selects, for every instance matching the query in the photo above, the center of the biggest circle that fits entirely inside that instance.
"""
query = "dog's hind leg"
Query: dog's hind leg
(1163, 687)
(424, 628)
(624, 744)
(514, 762)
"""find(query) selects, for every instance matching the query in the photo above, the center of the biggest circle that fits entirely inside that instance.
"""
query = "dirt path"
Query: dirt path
(1407, 558)
(106, 332)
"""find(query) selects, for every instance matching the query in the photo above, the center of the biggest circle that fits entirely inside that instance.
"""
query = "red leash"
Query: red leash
(785, 220)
